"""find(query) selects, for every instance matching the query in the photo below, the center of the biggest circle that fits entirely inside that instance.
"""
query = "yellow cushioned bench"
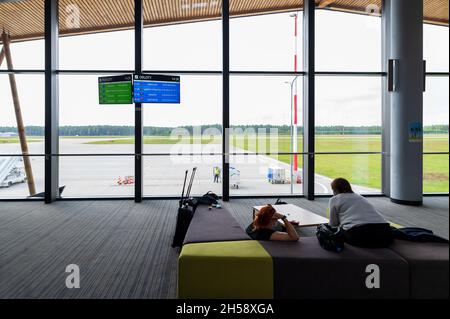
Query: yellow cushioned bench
(225, 270)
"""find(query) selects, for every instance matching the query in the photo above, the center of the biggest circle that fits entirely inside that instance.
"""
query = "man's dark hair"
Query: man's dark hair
(341, 186)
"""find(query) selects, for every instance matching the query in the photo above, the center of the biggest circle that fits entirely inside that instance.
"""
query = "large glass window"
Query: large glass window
(436, 115)
(88, 128)
(194, 46)
(21, 100)
(21, 176)
(96, 176)
(348, 108)
(179, 137)
(362, 171)
(97, 142)
(96, 51)
(436, 47)
(337, 98)
(348, 120)
(179, 130)
(348, 42)
(266, 129)
(25, 55)
(266, 111)
(436, 110)
(164, 175)
(267, 42)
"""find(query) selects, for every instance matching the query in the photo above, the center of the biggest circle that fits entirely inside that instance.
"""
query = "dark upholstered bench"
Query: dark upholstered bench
(428, 268)
(214, 225)
(304, 270)
(218, 260)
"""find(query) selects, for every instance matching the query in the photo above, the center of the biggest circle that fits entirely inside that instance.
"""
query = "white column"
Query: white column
(406, 47)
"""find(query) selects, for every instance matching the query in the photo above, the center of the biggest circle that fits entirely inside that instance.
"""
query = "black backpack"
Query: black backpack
(330, 238)
(208, 199)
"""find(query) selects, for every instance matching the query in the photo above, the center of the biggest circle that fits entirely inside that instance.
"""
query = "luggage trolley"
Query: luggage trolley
(235, 177)
(276, 175)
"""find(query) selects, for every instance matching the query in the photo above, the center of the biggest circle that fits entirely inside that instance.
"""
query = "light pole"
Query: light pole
(293, 157)
(295, 120)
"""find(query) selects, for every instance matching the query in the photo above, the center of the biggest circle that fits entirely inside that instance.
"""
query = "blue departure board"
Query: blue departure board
(158, 89)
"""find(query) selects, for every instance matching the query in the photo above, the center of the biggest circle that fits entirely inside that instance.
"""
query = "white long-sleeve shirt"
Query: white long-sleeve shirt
(350, 209)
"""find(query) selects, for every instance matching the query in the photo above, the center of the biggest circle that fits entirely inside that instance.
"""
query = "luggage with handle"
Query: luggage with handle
(186, 211)
(190, 201)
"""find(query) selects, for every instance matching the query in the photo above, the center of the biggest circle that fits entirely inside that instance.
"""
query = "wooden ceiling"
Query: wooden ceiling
(24, 20)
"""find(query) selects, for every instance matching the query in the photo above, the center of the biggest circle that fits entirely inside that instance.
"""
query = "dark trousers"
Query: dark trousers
(369, 236)
(216, 178)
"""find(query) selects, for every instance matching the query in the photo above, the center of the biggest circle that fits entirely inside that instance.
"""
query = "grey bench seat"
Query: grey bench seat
(304, 270)
(215, 225)
(429, 271)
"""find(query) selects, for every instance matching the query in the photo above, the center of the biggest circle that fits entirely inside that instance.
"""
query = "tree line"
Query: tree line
(107, 130)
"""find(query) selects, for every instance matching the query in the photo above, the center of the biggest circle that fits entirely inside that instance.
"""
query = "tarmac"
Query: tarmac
(97, 176)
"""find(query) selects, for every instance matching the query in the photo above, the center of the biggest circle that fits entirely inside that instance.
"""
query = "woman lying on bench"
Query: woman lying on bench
(265, 220)
(363, 225)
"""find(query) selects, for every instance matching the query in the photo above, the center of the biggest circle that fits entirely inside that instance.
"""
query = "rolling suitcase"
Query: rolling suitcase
(186, 211)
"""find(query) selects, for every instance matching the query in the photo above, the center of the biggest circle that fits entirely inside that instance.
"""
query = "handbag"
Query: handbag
(330, 238)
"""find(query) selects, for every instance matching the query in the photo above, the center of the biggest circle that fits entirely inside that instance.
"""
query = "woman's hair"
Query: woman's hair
(341, 186)
(263, 217)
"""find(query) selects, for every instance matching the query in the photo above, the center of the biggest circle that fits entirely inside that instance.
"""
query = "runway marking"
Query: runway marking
(324, 187)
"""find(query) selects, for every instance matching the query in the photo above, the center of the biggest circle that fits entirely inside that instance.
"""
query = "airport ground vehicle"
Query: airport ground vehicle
(11, 171)
(276, 175)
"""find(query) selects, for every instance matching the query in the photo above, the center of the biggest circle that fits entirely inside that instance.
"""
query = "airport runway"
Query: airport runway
(163, 176)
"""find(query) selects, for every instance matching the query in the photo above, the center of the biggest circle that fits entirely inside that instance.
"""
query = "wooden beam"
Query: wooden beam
(326, 3)
(19, 118)
(436, 12)
(2, 56)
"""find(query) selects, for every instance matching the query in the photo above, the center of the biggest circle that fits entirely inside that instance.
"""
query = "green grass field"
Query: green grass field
(364, 170)
(15, 140)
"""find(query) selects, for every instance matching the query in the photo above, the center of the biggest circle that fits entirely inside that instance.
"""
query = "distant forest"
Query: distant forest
(105, 130)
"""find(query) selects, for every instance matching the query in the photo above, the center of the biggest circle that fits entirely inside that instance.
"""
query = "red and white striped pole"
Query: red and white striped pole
(295, 135)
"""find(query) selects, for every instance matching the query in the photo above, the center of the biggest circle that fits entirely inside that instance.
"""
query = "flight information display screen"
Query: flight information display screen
(159, 89)
(116, 89)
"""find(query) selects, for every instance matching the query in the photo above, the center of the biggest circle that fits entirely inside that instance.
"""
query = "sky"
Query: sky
(344, 42)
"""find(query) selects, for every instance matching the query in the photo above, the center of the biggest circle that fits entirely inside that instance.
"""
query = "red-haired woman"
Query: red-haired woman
(265, 220)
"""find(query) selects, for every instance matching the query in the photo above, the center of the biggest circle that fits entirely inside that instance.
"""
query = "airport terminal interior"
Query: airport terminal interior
(119, 117)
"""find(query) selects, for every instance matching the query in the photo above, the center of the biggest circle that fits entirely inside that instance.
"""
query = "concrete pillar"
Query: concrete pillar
(406, 48)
